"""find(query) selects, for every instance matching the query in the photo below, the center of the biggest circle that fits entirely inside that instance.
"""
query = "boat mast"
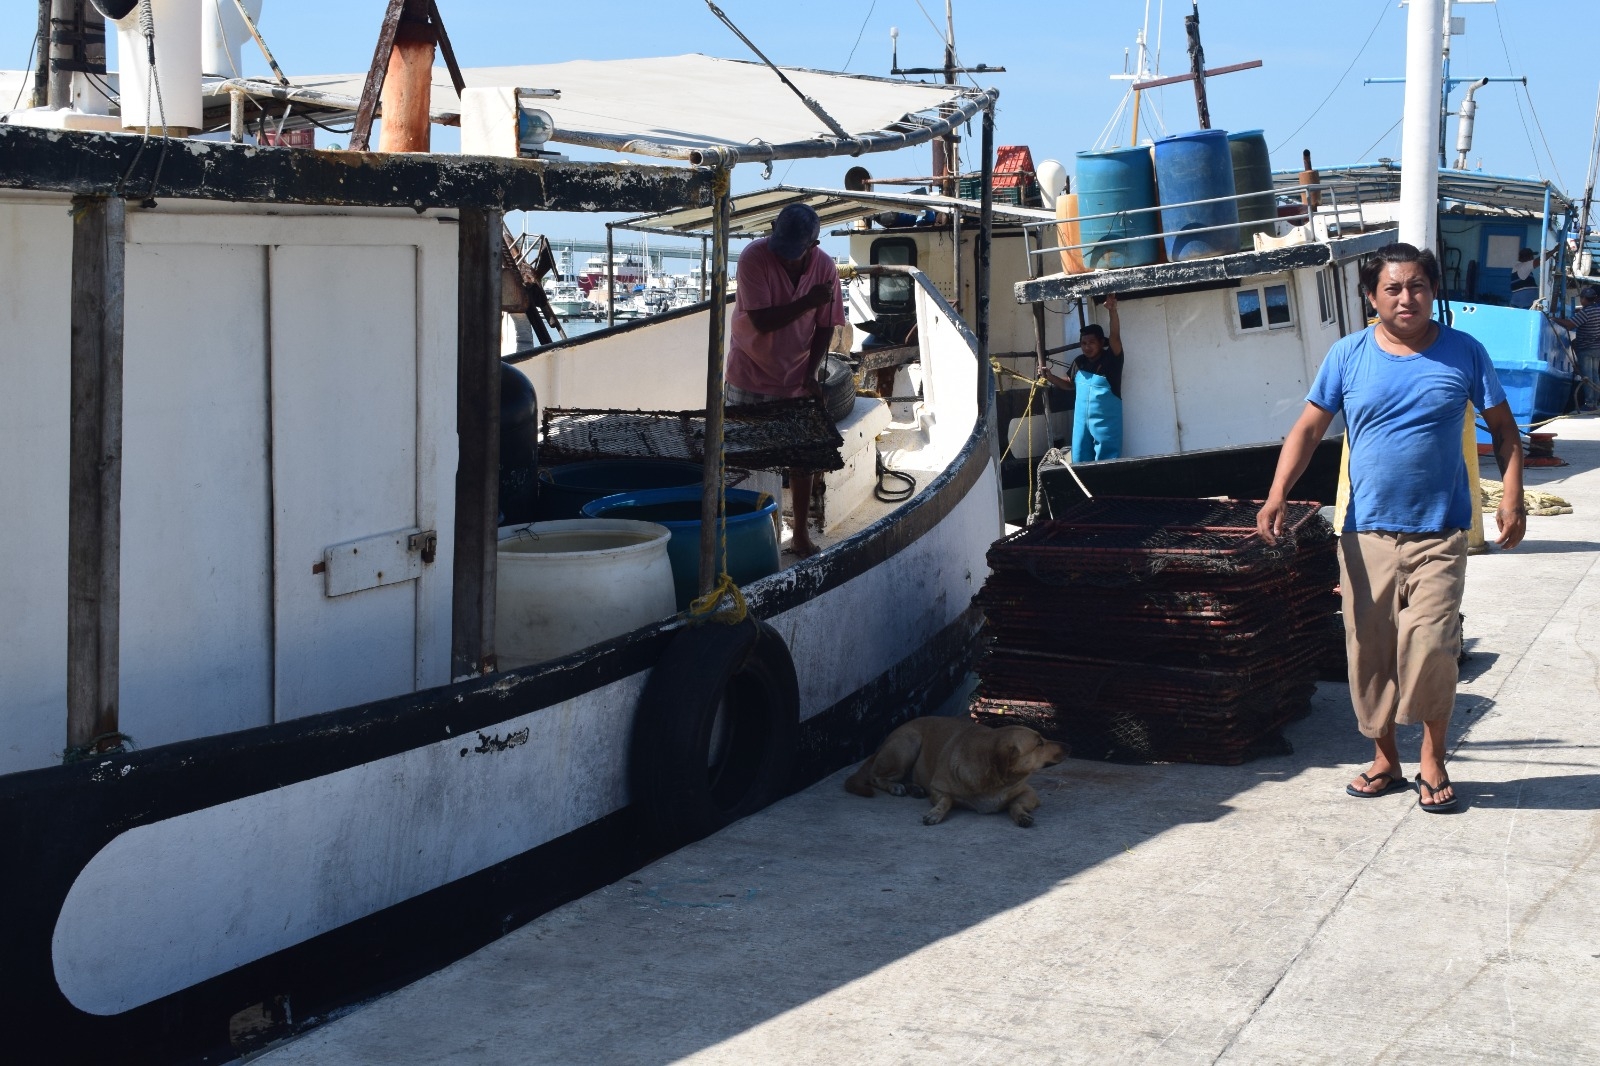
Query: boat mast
(1420, 135)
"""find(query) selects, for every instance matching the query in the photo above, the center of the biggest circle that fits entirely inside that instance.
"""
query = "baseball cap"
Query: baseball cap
(1589, 292)
(793, 231)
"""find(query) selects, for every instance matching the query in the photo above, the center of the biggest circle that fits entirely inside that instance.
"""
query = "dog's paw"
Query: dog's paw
(916, 791)
(933, 817)
(1024, 819)
(896, 789)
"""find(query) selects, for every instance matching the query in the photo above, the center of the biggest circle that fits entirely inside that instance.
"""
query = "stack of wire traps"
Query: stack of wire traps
(785, 433)
(1161, 630)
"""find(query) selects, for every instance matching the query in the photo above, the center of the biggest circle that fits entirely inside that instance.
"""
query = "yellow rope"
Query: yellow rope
(1034, 384)
(1534, 502)
(704, 608)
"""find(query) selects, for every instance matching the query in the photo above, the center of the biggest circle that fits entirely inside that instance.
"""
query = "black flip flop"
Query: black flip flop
(1393, 782)
(1430, 790)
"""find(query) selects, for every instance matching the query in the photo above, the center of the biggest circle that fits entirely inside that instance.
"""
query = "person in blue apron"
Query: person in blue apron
(1095, 377)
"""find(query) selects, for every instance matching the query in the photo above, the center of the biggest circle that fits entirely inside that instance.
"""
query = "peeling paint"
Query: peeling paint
(492, 744)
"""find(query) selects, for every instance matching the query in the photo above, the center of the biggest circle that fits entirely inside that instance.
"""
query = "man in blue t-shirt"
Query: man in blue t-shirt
(1403, 385)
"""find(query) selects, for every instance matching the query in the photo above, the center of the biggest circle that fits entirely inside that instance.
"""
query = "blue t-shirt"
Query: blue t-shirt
(1403, 414)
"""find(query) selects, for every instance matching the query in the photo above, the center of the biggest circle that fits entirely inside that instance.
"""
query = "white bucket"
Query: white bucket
(172, 98)
(566, 585)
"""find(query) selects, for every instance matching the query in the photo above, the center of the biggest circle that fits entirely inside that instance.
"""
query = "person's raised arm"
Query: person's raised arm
(772, 319)
(1511, 516)
(1298, 447)
(1114, 338)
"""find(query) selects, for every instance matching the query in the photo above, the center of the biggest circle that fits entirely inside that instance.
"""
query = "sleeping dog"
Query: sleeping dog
(955, 760)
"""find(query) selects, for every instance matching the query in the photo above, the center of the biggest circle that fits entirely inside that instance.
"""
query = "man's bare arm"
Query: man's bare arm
(1114, 338)
(772, 319)
(1298, 447)
(1511, 516)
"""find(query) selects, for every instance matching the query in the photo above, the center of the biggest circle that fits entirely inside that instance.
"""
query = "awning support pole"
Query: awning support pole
(703, 279)
(716, 365)
(955, 238)
(611, 277)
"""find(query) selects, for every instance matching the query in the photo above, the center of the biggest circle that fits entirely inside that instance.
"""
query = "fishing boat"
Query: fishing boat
(258, 605)
(567, 299)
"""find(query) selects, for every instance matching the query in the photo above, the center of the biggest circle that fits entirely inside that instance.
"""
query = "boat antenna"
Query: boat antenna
(814, 107)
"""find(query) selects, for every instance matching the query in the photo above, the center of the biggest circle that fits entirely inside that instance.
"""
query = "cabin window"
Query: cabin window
(1327, 300)
(1266, 307)
(891, 293)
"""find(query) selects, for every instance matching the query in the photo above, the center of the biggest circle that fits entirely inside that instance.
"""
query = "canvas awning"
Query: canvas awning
(1381, 181)
(752, 214)
(698, 108)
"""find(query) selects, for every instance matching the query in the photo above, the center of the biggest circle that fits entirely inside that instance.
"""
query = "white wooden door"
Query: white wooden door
(344, 328)
(196, 532)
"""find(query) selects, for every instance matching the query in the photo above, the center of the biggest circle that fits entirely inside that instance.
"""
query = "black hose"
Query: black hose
(888, 495)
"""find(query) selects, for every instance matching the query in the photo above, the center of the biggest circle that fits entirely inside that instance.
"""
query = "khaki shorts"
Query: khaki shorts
(1402, 625)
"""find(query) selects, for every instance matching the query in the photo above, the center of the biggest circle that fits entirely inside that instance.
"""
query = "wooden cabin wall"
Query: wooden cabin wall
(289, 387)
(35, 264)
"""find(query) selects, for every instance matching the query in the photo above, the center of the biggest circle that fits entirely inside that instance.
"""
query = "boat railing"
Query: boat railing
(1333, 216)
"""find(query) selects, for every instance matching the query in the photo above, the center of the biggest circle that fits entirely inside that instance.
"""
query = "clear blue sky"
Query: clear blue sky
(1057, 96)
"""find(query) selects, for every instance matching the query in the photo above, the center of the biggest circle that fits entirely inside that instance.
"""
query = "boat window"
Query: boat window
(1327, 303)
(892, 292)
(1249, 309)
(1264, 308)
(1277, 305)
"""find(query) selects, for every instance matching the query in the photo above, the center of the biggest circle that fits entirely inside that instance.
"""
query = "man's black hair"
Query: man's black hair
(1373, 265)
(1095, 328)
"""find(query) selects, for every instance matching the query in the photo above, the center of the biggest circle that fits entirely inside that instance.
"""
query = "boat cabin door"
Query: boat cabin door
(1498, 245)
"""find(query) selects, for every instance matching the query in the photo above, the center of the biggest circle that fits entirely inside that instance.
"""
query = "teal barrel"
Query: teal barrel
(1120, 180)
(752, 537)
(1197, 166)
(1252, 173)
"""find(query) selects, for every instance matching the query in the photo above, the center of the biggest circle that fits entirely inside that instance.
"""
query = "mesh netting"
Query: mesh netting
(786, 433)
(1161, 630)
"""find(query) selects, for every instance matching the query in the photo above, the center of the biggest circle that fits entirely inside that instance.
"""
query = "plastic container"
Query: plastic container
(563, 586)
(1117, 181)
(752, 535)
(1197, 166)
(563, 490)
(1252, 173)
(1067, 233)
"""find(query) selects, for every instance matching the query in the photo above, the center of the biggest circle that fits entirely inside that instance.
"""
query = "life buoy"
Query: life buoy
(716, 731)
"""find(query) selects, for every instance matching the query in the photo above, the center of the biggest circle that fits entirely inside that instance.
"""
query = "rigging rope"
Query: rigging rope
(1384, 11)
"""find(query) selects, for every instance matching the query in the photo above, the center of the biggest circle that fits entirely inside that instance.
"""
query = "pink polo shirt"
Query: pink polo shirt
(774, 364)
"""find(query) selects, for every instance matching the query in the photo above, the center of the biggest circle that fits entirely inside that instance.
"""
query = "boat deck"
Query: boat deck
(1155, 914)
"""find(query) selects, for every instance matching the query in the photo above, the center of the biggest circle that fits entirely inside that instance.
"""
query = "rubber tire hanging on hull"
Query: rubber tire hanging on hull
(716, 732)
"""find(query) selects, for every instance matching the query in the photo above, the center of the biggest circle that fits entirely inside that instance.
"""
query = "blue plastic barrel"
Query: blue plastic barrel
(563, 490)
(1252, 173)
(752, 536)
(1117, 181)
(1197, 166)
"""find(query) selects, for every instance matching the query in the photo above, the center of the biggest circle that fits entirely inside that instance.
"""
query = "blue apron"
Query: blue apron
(1096, 419)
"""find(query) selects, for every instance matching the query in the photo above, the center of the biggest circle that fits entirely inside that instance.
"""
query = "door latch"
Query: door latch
(426, 543)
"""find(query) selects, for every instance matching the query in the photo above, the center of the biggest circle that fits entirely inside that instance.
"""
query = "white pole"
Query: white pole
(1419, 140)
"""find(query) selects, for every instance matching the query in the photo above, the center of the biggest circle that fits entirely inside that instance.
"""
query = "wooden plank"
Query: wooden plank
(478, 437)
(96, 163)
(361, 133)
(94, 502)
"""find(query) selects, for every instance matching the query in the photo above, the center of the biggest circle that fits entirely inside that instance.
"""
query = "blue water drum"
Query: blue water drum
(1197, 166)
(1110, 183)
(752, 550)
(1252, 173)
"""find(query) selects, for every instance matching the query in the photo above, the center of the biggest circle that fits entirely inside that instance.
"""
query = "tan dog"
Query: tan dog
(956, 760)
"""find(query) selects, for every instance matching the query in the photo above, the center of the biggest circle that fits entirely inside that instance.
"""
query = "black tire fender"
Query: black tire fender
(716, 730)
(838, 388)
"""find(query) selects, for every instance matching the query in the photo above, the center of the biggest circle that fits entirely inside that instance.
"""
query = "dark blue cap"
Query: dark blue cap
(793, 231)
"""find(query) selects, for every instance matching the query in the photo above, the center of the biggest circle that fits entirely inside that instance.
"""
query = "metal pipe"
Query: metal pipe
(703, 278)
(1469, 111)
(985, 232)
(716, 362)
(236, 116)
(1544, 242)
(955, 236)
(1419, 139)
(611, 278)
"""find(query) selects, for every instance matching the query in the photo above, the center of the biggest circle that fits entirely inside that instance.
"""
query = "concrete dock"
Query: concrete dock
(1154, 914)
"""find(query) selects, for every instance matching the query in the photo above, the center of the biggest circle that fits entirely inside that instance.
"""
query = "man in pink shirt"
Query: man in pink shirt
(787, 305)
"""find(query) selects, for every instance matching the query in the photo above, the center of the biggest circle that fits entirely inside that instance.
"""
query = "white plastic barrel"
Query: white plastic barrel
(566, 585)
(172, 98)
